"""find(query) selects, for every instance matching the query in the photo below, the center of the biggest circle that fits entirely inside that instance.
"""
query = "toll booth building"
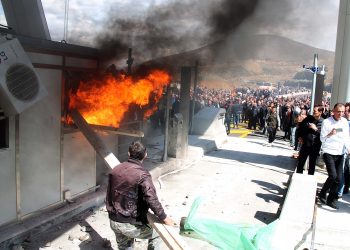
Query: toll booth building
(43, 159)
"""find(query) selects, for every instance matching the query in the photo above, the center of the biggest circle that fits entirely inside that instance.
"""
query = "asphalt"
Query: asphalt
(241, 179)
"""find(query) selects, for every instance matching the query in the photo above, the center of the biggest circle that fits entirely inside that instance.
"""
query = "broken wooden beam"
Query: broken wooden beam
(94, 140)
(168, 234)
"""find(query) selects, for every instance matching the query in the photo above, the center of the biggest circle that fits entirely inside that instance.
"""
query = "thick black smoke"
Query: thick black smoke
(228, 15)
(171, 28)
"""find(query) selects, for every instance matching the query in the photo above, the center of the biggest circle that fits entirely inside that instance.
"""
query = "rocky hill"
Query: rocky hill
(245, 60)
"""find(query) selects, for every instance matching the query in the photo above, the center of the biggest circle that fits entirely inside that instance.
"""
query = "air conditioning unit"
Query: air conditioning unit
(20, 85)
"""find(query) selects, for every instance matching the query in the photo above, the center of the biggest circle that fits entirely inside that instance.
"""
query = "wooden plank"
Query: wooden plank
(168, 234)
(95, 141)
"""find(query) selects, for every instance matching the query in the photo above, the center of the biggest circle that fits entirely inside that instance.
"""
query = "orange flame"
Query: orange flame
(104, 102)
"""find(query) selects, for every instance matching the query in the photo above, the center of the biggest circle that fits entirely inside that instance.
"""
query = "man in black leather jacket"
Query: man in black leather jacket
(130, 194)
(309, 131)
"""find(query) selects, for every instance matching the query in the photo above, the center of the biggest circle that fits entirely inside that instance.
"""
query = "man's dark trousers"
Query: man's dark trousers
(334, 165)
(306, 151)
(271, 134)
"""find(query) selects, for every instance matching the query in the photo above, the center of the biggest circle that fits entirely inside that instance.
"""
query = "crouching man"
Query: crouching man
(130, 194)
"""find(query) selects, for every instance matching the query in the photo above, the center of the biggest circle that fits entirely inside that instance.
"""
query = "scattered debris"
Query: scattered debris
(28, 239)
(85, 237)
(103, 209)
(45, 248)
(86, 229)
(48, 244)
(17, 247)
(69, 201)
(71, 237)
(106, 243)
(76, 242)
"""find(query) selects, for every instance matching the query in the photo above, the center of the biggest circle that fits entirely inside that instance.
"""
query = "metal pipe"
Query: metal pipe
(127, 132)
(17, 170)
(312, 247)
(166, 129)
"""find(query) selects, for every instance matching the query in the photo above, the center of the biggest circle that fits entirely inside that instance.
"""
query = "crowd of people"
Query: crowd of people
(314, 133)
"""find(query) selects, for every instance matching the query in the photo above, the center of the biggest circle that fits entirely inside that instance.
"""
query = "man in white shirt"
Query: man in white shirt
(335, 140)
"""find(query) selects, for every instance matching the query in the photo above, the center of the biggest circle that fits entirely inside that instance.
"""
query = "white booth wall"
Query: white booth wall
(42, 161)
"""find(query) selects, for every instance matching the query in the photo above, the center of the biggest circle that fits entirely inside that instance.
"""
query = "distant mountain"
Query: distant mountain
(244, 60)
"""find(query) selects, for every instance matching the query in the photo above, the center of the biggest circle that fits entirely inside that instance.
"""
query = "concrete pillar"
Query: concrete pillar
(341, 79)
(185, 107)
(26, 18)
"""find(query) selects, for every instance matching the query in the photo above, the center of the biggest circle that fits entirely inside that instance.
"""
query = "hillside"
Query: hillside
(247, 59)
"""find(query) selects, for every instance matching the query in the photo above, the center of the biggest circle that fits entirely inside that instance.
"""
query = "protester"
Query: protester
(272, 125)
(309, 131)
(130, 194)
(334, 138)
(345, 181)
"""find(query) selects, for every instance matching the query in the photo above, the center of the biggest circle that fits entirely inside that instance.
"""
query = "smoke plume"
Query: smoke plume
(171, 28)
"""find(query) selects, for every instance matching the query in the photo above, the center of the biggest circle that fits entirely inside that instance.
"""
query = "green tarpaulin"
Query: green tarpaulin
(228, 236)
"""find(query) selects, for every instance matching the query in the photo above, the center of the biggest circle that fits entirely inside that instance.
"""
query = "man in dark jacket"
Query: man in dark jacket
(272, 124)
(309, 131)
(130, 194)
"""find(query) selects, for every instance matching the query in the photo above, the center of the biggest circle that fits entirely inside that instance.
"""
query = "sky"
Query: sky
(175, 26)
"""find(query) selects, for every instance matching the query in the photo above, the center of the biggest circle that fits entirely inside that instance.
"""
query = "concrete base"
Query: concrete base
(209, 122)
(209, 125)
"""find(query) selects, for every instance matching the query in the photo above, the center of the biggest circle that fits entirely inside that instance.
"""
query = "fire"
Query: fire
(105, 101)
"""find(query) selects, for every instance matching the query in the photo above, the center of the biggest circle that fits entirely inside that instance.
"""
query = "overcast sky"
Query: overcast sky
(313, 22)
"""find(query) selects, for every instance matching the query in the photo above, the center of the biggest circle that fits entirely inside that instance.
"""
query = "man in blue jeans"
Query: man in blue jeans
(335, 138)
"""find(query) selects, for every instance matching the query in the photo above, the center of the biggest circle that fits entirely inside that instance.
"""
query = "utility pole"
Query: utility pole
(317, 81)
(314, 84)
(166, 129)
(129, 61)
(195, 82)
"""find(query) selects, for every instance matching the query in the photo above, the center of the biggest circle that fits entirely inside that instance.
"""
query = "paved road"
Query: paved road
(243, 181)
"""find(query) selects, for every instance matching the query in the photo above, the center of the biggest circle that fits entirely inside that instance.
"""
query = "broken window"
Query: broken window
(4, 130)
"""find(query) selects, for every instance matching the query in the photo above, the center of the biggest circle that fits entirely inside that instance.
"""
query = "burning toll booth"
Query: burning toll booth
(41, 159)
(47, 157)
